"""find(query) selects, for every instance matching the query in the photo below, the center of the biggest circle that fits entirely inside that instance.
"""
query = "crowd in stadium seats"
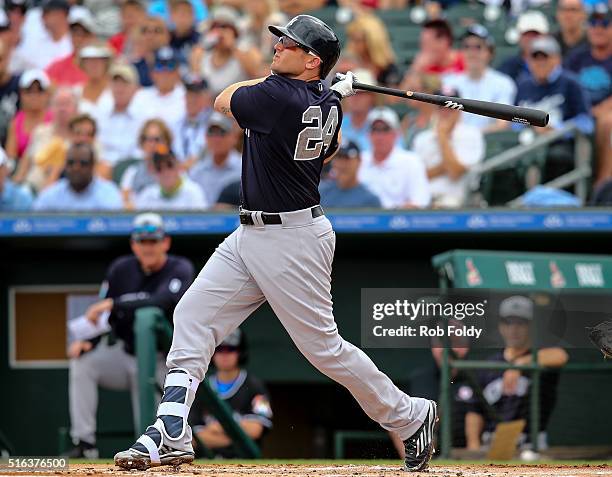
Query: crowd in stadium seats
(108, 104)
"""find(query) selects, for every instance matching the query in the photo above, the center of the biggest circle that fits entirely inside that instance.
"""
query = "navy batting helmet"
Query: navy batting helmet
(314, 35)
(237, 339)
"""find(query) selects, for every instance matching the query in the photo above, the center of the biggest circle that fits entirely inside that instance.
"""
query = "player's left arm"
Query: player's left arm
(223, 101)
(333, 150)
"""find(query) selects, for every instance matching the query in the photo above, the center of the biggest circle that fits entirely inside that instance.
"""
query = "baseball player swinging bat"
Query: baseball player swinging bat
(517, 114)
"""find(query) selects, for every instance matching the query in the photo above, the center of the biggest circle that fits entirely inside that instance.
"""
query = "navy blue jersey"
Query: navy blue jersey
(131, 288)
(290, 126)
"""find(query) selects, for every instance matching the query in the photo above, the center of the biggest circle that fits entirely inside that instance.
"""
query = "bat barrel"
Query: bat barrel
(517, 114)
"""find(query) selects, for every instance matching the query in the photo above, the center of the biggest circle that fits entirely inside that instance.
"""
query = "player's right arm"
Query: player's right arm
(223, 101)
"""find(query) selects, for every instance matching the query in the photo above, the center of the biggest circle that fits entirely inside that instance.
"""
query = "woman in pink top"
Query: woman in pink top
(34, 95)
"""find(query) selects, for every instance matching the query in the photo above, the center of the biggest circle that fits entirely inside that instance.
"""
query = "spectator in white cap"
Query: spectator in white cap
(34, 110)
(120, 120)
(95, 61)
(395, 175)
(9, 91)
(66, 71)
(222, 163)
(222, 58)
(479, 81)
(167, 95)
(39, 50)
(530, 25)
(13, 198)
(172, 190)
(448, 148)
(81, 189)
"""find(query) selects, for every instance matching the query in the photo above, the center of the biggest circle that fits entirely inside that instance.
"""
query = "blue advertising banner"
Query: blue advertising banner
(344, 222)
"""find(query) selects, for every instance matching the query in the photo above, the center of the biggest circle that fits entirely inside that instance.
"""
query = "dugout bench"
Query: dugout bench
(480, 269)
(153, 332)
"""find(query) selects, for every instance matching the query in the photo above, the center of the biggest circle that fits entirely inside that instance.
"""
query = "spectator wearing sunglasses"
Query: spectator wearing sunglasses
(34, 110)
(480, 81)
(571, 17)
(81, 189)
(167, 95)
(223, 58)
(593, 65)
(172, 190)
(395, 175)
(153, 135)
(152, 35)
(222, 164)
(530, 25)
(553, 89)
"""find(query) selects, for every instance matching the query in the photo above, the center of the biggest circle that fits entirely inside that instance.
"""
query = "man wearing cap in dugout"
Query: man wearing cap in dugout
(148, 277)
(508, 391)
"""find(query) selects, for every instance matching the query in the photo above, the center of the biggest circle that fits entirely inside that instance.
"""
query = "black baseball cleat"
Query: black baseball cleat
(150, 451)
(82, 450)
(420, 447)
(135, 459)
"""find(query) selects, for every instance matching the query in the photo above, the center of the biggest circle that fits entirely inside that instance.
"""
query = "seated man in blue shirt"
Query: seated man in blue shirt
(345, 190)
(80, 189)
(592, 63)
(13, 198)
(551, 88)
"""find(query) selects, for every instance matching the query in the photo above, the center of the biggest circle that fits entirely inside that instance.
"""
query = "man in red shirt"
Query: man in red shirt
(66, 71)
(436, 54)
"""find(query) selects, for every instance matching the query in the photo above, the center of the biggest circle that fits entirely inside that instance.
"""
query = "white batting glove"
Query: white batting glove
(344, 87)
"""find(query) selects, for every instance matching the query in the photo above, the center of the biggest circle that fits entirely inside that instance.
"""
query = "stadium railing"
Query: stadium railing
(453, 270)
(524, 155)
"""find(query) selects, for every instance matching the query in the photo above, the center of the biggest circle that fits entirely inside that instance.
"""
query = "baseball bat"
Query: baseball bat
(517, 114)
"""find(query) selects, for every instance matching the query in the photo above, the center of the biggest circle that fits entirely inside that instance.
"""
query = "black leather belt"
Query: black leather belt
(275, 219)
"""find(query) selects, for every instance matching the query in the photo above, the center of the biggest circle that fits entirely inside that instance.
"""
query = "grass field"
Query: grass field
(341, 468)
